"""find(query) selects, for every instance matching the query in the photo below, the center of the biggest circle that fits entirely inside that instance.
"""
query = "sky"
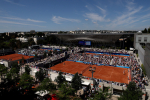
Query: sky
(70, 15)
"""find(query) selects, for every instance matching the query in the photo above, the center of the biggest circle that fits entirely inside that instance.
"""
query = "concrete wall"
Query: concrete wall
(141, 53)
(111, 87)
(147, 60)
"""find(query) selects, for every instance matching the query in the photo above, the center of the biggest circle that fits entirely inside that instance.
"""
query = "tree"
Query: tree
(101, 95)
(76, 82)
(65, 91)
(26, 82)
(40, 41)
(60, 79)
(27, 69)
(144, 31)
(40, 75)
(31, 42)
(3, 69)
(24, 45)
(131, 93)
(149, 30)
(18, 44)
(16, 66)
(46, 84)
(12, 43)
(13, 74)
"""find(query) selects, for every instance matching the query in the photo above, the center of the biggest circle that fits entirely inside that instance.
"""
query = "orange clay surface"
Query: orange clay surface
(102, 72)
(14, 57)
(106, 55)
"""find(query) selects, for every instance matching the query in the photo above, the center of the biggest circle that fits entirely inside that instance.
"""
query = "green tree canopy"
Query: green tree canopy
(3, 69)
(131, 93)
(40, 41)
(46, 84)
(60, 79)
(76, 82)
(12, 43)
(27, 69)
(101, 95)
(40, 75)
(144, 31)
(18, 44)
(31, 42)
(15, 68)
(13, 74)
(149, 30)
(26, 81)
(65, 91)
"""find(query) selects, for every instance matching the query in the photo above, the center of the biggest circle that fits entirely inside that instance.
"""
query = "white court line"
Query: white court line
(111, 73)
(100, 70)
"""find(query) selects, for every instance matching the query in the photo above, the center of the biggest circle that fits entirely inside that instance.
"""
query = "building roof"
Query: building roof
(107, 37)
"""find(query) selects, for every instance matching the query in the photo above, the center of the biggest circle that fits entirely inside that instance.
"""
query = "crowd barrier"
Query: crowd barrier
(121, 54)
(99, 64)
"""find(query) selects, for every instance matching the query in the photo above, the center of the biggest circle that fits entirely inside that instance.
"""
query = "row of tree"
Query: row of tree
(9, 41)
(146, 30)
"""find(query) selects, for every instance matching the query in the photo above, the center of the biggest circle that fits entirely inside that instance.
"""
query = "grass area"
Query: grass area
(144, 71)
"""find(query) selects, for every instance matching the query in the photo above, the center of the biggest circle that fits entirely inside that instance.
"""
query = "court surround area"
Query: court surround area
(109, 73)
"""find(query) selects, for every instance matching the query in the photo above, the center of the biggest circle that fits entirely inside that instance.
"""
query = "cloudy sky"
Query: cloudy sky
(67, 15)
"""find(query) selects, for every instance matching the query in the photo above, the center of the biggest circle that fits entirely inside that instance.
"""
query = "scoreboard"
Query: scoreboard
(87, 43)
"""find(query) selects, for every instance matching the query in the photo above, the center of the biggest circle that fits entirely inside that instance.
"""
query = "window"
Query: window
(145, 39)
(139, 39)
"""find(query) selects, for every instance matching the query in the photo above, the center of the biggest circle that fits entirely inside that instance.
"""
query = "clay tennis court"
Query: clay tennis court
(14, 57)
(102, 72)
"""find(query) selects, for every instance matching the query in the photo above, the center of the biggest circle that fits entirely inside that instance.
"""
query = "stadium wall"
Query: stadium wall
(141, 53)
(146, 60)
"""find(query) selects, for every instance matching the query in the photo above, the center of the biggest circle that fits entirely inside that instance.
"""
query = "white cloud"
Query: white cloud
(126, 18)
(89, 8)
(130, 5)
(12, 22)
(95, 17)
(86, 19)
(145, 20)
(95, 22)
(14, 3)
(102, 10)
(59, 19)
(34, 20)
(15, 18)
